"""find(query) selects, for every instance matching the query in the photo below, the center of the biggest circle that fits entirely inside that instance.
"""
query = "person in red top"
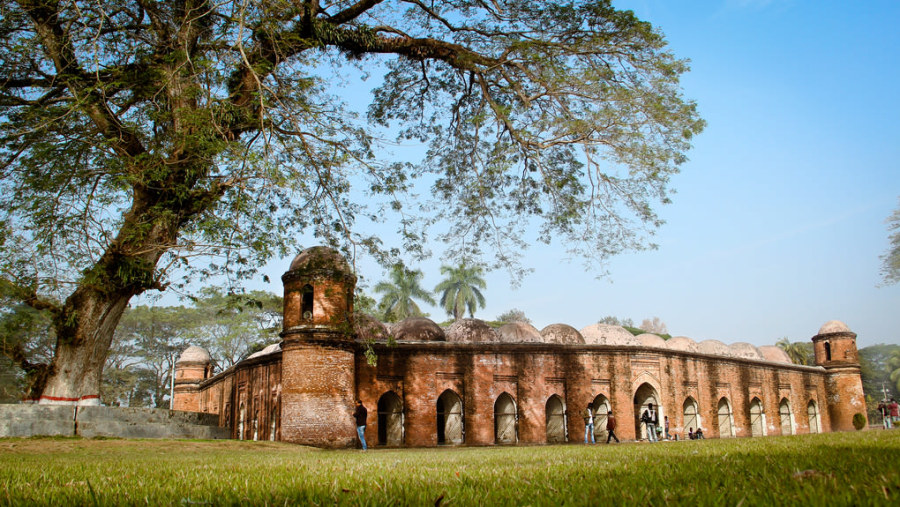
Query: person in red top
(895, 411)
(611, 427)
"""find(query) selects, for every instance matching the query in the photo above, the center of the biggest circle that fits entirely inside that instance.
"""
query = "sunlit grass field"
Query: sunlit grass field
(835, 469)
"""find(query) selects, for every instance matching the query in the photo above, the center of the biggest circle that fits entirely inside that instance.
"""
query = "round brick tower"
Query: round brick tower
(835, 350)
(318, 380)
(192, 368)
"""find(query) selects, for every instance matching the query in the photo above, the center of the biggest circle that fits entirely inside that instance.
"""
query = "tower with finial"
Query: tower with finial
(835, 350)
(318, 377)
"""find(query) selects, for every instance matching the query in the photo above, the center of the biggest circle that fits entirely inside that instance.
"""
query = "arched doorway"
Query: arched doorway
(243, 415)
(812, 412)
(600, 407)
(450, 419)
(390, 419)
(757, 419)
(505, 420)
(643, 397)
(725, 419)
(787, 419)
(273, 427)
(556, 420)
(691, 415)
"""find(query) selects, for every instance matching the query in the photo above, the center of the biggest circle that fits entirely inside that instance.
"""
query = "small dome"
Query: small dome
(834, 326)
(775, 354)
(271, 349)
(320, 257)
(651, 340)
(194, 354)
(471, 331)
(368, 328)
(562, 333)
(517, 332)
(605, 334)
(713, 347)
(682, 343)
(417, 329)
(744, 350)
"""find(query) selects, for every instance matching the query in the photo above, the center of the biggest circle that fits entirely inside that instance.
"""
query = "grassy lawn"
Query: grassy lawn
(843, 468)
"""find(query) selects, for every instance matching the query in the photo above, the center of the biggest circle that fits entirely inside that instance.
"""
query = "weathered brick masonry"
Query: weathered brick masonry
(475, 385)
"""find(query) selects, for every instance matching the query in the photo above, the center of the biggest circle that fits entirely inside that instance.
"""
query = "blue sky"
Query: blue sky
(779, 217)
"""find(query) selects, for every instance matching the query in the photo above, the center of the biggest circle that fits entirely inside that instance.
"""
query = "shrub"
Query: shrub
(859, 421)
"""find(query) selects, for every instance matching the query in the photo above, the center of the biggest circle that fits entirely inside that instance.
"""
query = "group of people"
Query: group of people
(890, 413)
(589, 426)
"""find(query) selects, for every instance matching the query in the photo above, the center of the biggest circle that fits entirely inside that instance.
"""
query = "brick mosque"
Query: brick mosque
(474, 385)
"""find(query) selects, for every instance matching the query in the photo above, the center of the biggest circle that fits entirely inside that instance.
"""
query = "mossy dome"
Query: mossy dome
(775, 354)
(320, 258)
(368, 328)
(713, 347)
(834, 326)
(518, 332)
(471, 331)
(562, 333)
(417, 329)
(744, 350)
(606, 334)
(194, 354)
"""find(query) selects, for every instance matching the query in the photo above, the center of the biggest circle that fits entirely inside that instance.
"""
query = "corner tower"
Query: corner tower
(318, 379)
(191, 369)
(835, 350)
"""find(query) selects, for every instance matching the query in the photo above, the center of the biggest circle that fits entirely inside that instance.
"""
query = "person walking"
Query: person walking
(589, 424)
(667, 428)
(885, 411)
(360, 415)
(611, 427)
(651, 420)
(895, 411)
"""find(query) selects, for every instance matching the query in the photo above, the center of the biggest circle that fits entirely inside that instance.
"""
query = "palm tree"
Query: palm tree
(397, 295)
(798, 351)
(459, 290)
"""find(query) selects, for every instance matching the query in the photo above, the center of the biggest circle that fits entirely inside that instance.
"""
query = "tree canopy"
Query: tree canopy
(890, 268)
(461, 290)
(144, 140)
(398, 295)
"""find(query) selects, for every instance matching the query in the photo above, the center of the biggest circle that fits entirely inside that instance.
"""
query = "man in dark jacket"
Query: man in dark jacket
(360, 414)
(611, 427)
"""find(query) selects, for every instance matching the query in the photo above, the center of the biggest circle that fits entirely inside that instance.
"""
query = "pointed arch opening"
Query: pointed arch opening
(390, 419)
(450, 430)
(691, 415)
(757, 418)
(786, 417)
(306, 302)
(644, 396)
(812, 413)
(242, 416)
(505, 418)
(725, 419)
(600, 406)
(556, 420)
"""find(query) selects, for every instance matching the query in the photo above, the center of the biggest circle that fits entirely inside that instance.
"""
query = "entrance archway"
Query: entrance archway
(812, 412)
(390, 419)
(643, 397)
(505, 420)
(556, 420)
(787, 418)
(726, 419)
(691, 415)
(757, 419)
(600, 407)
(450, 419)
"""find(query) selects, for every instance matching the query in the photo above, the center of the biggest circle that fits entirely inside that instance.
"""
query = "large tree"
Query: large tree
(890, 268)
(138, 136)
(461, 289)
(400, 292)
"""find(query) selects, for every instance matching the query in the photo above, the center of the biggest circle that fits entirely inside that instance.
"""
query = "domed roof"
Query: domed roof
(682, 343)
(605, 334)
(471, 331)
(834, 326)
(194, 354)
(713, 347)
(271, 349)
(775, 354)
(516, 332)
(744, 350)
(320, 257)
(417, 329)
(368, 328)
(562, 333)
(651, 340)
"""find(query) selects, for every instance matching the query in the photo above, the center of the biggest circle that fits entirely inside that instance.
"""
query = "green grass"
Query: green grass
(835, 469)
